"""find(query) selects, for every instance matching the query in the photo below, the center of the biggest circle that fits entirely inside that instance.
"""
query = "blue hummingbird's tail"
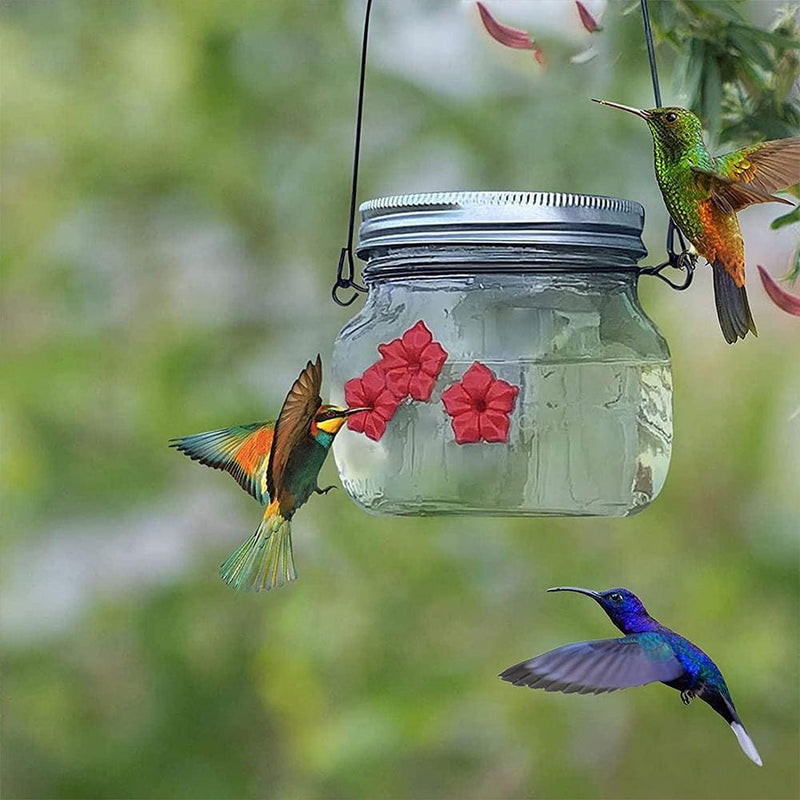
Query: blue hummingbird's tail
(266, 559)
(723, 705)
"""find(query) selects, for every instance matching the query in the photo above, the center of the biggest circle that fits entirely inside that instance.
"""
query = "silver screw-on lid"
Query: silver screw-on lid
(536, 221)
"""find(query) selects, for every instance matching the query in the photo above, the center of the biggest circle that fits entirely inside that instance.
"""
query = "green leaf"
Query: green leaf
(786, 219)
(778, 40)
(712, 97)
(794, 271)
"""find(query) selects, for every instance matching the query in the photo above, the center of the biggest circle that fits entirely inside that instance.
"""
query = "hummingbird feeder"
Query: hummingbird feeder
(503, 355)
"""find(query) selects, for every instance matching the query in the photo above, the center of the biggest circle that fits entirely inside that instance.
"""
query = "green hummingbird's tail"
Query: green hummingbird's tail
(266, 559)
(733, 310)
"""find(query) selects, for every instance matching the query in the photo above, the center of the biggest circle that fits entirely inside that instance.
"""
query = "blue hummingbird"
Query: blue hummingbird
(648, 652)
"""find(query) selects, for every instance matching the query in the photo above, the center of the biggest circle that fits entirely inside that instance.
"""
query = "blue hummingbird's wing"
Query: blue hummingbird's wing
(599, 666)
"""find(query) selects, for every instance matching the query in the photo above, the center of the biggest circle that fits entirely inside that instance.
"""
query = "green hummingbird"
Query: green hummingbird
(278, 464)
(703, 193)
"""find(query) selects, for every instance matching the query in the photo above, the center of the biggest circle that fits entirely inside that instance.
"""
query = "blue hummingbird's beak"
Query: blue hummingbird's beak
(588, 592)
(640, 112)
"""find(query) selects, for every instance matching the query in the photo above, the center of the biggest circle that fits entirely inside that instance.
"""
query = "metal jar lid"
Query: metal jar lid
(531, 228)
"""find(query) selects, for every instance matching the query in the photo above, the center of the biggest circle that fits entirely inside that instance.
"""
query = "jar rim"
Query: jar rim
(542, 227)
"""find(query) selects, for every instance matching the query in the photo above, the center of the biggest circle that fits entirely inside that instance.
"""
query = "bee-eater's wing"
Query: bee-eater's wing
(600, 666)
(294, 422)
(242, 450)
(731, 195)
(766, 167)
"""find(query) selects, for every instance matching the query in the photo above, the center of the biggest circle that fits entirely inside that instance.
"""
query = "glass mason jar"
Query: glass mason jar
(507, 363)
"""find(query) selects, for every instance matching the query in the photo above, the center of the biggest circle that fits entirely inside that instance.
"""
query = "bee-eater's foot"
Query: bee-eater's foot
(686, 696)
(325, 490)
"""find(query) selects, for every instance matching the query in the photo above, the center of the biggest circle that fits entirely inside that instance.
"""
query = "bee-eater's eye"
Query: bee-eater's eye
(670, 116)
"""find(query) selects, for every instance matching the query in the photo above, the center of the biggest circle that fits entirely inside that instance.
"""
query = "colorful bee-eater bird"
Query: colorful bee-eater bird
(278, 464)
(648, 652)
(703, 193)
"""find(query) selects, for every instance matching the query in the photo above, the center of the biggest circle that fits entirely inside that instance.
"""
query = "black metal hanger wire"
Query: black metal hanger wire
(346, 271)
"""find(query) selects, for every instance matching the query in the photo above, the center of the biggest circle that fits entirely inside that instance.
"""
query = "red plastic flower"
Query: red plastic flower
(370, 391)
(412, 363)
(479, 405)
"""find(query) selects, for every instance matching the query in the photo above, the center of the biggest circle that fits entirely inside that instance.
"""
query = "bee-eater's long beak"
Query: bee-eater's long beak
(348, 412)
(640, 112)
(577, 589)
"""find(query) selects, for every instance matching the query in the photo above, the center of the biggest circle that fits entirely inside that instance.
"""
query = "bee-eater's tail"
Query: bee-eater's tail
(265, 560)
(733, 309)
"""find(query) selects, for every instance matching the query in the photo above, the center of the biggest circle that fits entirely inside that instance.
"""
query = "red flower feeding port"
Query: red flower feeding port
(479, 405)
(370, 391)
(412, 363)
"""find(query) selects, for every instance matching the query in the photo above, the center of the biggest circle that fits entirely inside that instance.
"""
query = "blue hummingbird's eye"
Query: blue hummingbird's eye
(615, 597)
(670, 116)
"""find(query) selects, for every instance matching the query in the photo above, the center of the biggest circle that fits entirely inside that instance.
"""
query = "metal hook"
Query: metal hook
(346, 282)
(685, 260)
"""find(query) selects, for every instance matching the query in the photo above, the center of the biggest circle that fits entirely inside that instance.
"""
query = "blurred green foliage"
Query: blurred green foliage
(175, 192)
(740, 78)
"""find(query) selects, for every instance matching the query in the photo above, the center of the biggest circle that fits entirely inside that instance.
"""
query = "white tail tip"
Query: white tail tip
(746, 743)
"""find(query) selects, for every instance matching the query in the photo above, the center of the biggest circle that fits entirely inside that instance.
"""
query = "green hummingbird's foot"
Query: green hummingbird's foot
(686, 696)
(325, 490)
(686, 262)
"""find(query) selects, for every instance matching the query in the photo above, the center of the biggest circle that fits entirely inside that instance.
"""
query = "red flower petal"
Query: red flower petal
(374, 426)
(477, 380)
(589, 22)
(354, 394)
(358, 421)
(432, 358)
(394, 354)
(385, 405)
(397, 379)
(506, 35)
(373, 380)
(494, 426)
(416, 339)
(420, 386)
(790, 303)
(501, 396)
(466, 427)
(456, 400)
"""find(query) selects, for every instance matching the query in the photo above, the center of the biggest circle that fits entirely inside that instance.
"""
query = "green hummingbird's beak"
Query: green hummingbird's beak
(577, 589)
(640, 112)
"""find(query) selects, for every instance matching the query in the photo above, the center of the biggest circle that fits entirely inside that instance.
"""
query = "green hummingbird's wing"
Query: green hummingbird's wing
(766, 167)
(731, 195)
(242, 450)
(294, 422)
(599, 666)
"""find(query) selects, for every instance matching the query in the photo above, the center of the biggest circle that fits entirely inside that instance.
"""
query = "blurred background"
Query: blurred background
(175, 190)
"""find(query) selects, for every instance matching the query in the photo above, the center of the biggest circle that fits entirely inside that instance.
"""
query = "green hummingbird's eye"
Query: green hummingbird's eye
(670, 116)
